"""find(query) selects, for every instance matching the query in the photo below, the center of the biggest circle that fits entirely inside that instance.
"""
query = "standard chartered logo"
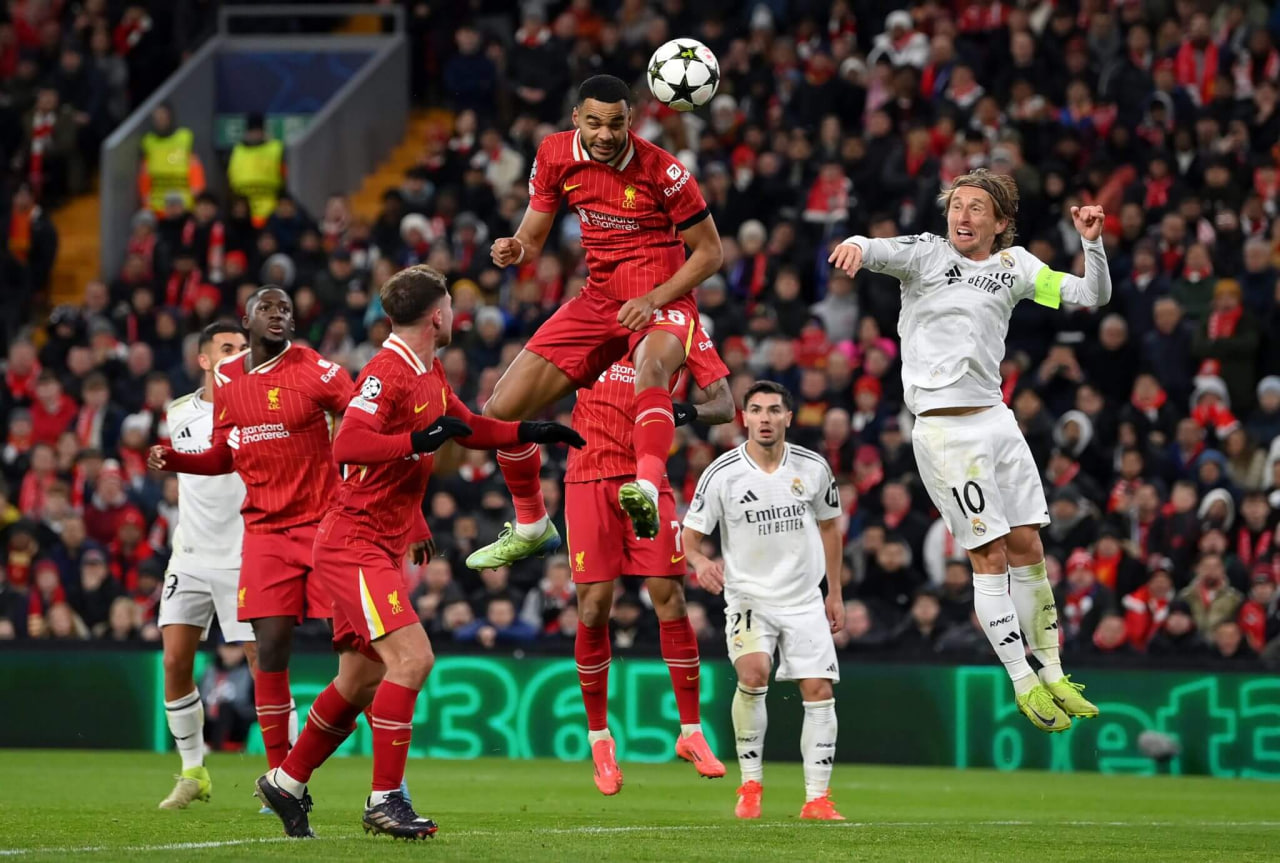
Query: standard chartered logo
(263, 432)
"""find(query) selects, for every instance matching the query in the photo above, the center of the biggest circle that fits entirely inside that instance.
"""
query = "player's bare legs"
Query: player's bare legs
(657, 358)
(750, 721)
(818, 748)
(185, 714)
(999, 617)
(528, 386)
(1038, 617)
(680, 653)
(271, 693)
(593, 653)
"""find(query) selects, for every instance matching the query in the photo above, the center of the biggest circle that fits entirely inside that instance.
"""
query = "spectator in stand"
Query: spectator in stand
(1209, 598)
(1147, 608)
(256, 169)
(28, 244)
(168, 163)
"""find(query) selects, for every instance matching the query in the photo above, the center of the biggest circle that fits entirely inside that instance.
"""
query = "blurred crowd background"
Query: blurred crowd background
(1154, 419)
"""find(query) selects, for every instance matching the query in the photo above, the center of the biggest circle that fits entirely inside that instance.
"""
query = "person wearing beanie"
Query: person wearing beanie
(1229, 333)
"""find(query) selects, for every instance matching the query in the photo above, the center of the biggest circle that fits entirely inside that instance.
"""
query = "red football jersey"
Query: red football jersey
(631, 209)
(395, 392)
(277, 419)
(606, 414)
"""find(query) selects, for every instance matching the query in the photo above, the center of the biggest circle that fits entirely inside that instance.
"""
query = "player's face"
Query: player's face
(603, 127)
(269, 318)
(972, 225)
(222, 345)
(767, 419)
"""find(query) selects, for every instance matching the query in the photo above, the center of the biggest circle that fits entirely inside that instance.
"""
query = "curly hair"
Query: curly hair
(1004, 195)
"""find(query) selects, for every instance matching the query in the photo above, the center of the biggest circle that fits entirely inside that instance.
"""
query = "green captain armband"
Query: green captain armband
(1049, 288)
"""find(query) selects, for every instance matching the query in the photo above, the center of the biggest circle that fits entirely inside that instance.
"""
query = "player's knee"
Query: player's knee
(753, 674)
(1024, 543)
(178, 669)
(594, 614)
(669, 605)
(991, 558)
(816, 689)
(413, 668)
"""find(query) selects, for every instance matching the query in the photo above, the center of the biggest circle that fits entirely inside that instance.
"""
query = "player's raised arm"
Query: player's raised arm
(894, 257)
(535, 227)
(705, 257)
(1049, 287)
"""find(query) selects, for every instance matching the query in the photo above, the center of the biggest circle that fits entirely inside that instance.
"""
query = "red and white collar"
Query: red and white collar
(618, 162)
(397, 346)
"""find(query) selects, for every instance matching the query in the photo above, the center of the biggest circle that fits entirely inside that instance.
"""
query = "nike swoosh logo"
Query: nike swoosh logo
(582, 682)
(650, 422)
(695, 677)
(677, 558)
(399, 742)
(223, 415)
(569, 188)
(417, 409)
(432, 432)
(1050, 722)
(269, 727)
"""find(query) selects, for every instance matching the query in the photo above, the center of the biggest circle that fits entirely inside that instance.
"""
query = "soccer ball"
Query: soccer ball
(684, 74)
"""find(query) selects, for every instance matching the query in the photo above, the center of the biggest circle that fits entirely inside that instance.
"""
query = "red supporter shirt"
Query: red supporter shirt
(631, 209)
(380, 497)
(272, 425)
(605, 414)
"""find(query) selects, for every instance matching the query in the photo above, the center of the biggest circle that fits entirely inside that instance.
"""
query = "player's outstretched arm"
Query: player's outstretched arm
(832, 548)
(488, 433)
(894, 257)
(214, 461)
(527, 244)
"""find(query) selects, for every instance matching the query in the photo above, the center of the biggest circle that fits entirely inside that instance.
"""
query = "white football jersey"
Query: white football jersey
(210, 529)
(955, 311)
(768, 523)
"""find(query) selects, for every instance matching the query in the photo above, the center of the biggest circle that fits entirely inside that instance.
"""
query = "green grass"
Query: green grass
(102, 806)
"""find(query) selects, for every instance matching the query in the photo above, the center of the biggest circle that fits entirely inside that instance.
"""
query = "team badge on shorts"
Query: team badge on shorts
(578, 562)
(737, 643)
(393, 600)
(797, 487)
(979, 527)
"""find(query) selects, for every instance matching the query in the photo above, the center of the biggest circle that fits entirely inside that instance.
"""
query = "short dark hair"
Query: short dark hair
(412, 292)
(604, 88)
(769, 387)
(216, 328)
(257, 295)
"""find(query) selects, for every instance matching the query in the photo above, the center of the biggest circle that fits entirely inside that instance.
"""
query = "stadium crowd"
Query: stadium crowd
(1153, 418)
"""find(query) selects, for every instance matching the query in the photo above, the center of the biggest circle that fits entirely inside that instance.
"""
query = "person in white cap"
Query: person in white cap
(900, 43)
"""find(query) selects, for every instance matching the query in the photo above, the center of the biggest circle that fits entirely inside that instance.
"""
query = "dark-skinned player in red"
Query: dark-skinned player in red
(602, 547)
(402, 412)
(639, 208)
(274, 406)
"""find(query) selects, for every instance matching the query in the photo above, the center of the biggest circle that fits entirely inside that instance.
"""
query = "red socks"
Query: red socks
(680, 652)
(272, 699)
(391, 716)
(591, 650)
(655, 428)
(520, 468)
(331, 720)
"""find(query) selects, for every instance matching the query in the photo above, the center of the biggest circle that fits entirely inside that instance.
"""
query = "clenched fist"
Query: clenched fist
(506, 251)
(1088, 221)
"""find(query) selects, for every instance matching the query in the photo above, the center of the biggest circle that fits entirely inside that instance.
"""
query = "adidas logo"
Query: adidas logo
(832, 668)
(751, 754)
(1010, 639)
(749, 497)
(1053, 626)
(830, 759)
(953, 275)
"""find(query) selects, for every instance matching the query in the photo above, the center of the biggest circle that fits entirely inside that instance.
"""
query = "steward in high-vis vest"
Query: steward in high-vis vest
(256, 169)
(168, 163)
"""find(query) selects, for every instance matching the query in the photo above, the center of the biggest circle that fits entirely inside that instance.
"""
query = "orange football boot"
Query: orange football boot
(749, 799)
(821, 809)
(608, 776)
(696, 749)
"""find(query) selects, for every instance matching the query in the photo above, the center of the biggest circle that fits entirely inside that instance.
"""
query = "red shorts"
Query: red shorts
(602, 543)
(583, 338)
(276, 578)
(370, 595)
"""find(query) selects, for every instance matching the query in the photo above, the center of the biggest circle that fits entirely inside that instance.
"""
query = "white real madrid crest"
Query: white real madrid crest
(797, 487)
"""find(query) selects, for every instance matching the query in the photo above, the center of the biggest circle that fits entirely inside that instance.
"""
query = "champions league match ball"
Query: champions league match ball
(683, 74)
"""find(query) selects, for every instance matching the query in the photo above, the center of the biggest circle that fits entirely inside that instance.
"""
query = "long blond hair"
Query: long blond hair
(1004, 195)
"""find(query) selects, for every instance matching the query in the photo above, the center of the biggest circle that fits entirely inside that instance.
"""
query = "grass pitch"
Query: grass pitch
(101, 806)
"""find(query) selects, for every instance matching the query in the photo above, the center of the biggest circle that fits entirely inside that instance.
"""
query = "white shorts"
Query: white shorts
(800, 633)
(192, 595)
(979, 473)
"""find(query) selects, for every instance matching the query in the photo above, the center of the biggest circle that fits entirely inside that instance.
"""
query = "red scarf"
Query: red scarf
(1150, 409)
(1107, 568)
(181, 293)
(1123, 488)
(873, 479)
(1067, 475)
(1253, 622)
(1144, 615)
(89, 427)
(1222, 325)
(22, 389)
(1250, 550)
(20, 235)
(1158, 192)
(1197, 75)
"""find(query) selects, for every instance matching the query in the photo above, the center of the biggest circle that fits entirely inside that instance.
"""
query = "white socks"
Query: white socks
(293, 722)
(999, 619)
(750, 721)
(288, 783)
(692, 728)
(186, 724)
(818, 746)
(594, 736)
(532, 530)
(1037, 616)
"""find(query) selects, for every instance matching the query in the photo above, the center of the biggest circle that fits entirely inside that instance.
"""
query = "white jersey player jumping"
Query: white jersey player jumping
(958, 294)
(204, 570)
(777, 506)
